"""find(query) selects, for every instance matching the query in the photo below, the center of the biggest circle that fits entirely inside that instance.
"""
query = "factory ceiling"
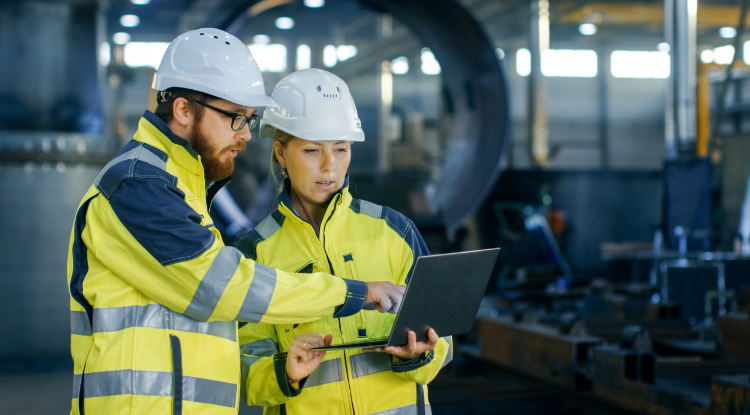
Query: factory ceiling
(339, 21)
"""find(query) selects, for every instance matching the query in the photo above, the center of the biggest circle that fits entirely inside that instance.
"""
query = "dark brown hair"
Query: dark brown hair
(164, 108)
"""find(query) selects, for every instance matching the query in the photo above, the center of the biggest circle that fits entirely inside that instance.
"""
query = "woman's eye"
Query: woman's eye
(343, 150)
(310, 150)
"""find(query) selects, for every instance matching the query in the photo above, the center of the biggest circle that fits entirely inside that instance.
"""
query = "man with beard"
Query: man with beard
(155, 296)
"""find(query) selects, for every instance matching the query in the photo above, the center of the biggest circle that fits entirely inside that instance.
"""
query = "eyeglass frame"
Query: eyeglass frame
(248, 119)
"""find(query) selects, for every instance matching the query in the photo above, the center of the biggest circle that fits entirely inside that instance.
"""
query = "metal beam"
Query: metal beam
(709, 16)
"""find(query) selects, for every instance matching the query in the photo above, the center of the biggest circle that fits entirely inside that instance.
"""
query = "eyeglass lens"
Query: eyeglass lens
(239, 122)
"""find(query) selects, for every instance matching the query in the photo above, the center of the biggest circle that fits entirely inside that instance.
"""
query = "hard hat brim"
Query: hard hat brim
(162, 83)
(332, 135)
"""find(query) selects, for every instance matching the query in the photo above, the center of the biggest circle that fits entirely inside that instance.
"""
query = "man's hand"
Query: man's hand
(300, 360)
(412, 349)
(384, 296)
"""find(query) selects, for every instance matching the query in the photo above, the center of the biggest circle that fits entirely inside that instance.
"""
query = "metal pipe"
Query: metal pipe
(680, 17)
(603, 108)
(730, 74)
(539, 43)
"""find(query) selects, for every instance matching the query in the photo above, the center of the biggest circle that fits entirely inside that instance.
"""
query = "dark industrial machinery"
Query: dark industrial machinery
(475, 97)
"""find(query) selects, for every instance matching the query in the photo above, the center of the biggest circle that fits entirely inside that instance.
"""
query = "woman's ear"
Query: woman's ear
(279, 150)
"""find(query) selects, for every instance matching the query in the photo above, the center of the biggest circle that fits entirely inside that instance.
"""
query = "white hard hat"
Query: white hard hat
(314, 105)
(213, 62)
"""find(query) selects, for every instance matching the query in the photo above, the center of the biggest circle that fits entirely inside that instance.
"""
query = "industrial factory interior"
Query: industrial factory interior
(602, 145)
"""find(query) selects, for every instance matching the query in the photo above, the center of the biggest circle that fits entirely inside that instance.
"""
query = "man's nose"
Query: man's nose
(243, 134)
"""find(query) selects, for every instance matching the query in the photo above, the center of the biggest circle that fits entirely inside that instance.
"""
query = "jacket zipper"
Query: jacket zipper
(344, 356)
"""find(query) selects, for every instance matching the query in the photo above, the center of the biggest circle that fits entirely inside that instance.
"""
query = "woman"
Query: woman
(318, 226)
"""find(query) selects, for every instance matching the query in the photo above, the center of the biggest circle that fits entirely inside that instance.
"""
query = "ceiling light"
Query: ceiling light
(261, 39)
(314, 3)
(727, 32)
(140, 2)
(707, 56)
(663, 47)
(284, 23)
(587, 29)
(500, 53)
(121, 38)
(130, 20)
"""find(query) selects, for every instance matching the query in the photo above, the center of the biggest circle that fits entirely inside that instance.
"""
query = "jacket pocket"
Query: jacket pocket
(176, 375)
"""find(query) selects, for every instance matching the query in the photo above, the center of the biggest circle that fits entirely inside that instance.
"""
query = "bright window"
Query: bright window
(400, 66)
(560, 63)
(304, 57)
(523, 62)
(270, 58)
(144, 53)
(569, 63)
(105, 52)
(723, 55)
(640, 64)
(329, 56)
(344, 52)
(430, 65)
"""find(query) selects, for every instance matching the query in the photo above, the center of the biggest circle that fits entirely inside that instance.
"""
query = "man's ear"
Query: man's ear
(181, 111)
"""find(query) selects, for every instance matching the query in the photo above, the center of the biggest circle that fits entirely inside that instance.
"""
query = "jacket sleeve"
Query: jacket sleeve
(155, 242)
(421, 369)
(264, 379)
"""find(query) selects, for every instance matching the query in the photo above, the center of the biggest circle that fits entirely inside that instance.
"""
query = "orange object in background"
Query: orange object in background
(556, 219)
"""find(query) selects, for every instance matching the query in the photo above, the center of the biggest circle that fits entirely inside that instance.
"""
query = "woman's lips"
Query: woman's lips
(325, 184)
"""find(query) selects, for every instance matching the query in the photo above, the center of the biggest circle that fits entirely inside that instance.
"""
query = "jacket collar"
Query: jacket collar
(154, 131)
(167, 132)
(341, 197)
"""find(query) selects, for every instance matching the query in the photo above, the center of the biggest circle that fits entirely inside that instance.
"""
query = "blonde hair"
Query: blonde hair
(277, 173)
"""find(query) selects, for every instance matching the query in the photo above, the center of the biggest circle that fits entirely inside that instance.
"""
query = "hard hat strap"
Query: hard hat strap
(163, 96)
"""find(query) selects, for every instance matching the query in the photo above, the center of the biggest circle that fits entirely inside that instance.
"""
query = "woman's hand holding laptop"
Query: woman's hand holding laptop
(412, 349)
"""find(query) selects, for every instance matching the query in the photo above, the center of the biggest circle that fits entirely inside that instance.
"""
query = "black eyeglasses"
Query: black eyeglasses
(238, 120)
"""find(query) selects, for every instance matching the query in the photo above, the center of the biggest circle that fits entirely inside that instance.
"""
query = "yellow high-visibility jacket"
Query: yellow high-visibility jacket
(155, 296)
(358, 240)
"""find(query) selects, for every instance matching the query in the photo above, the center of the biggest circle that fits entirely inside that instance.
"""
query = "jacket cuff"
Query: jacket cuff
(413, 364)
(356, 293)
(279, 366)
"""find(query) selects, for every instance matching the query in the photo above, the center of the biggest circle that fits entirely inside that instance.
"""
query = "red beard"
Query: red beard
(213, 166)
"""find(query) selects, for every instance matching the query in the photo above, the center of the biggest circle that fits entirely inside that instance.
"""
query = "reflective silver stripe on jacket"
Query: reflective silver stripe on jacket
(267, 227)
(259, 294)
(370, 209)
(251, 353)
(448, 356)
(139, 153)
(154, 316)
(328, 371)
(214, 283)
(153, 383)
(405, 410)
(364, 364)
(79, 323)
